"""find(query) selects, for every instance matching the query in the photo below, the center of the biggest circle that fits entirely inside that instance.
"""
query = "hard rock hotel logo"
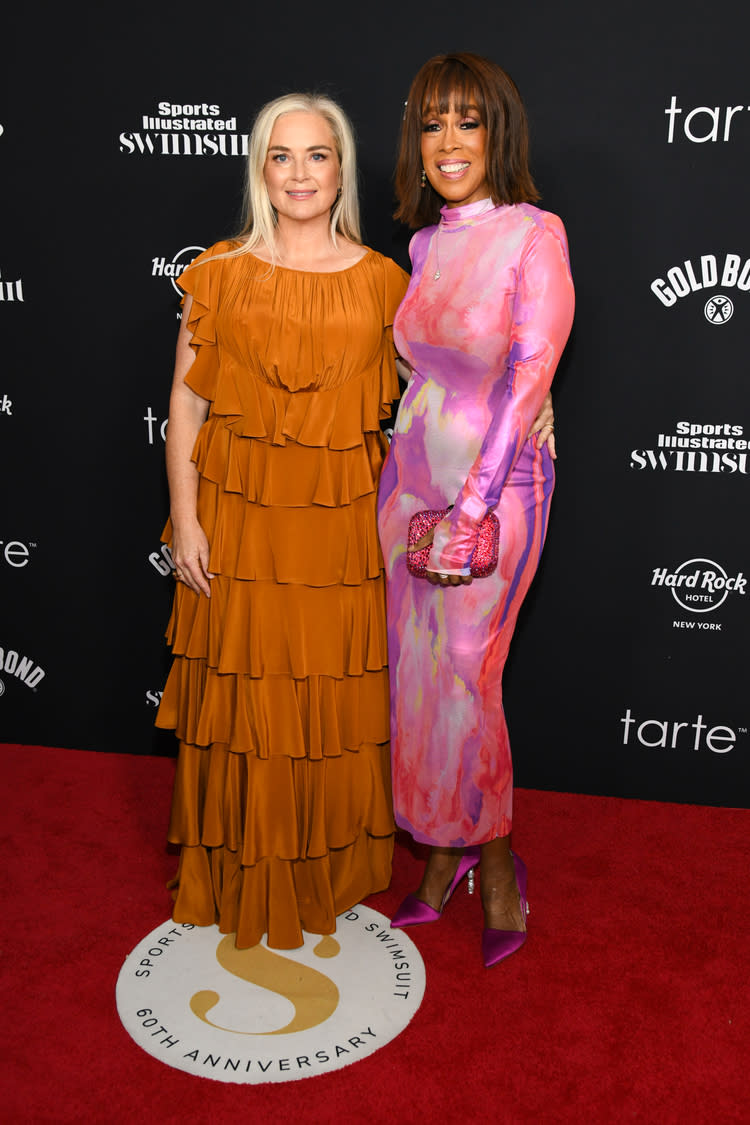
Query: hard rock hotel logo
(171, 269)
(699, 586)
(197, 129)
(710, 271)
(697, 447)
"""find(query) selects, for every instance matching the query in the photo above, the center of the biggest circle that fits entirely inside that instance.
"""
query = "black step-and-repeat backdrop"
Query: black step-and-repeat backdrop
(122, 140)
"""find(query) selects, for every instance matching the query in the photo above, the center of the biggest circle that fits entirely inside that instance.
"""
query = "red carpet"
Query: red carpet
(628, 1003)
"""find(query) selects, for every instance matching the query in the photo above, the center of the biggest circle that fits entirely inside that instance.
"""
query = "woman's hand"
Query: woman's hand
(190, 555)
(544, 425)
(403, 368)
(432, 576)
(187, 413)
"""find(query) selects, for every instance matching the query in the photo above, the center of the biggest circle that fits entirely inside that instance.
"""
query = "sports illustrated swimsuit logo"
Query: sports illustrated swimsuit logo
(669, 734)
(699, 586)
(708, 272)
(22, 668)
(11, 290)
(160, 267)
(697, 447)
(702, 123)
(194, 1001)
(196, 129)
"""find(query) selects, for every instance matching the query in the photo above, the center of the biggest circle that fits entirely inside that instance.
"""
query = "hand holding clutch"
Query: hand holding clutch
(484, 559)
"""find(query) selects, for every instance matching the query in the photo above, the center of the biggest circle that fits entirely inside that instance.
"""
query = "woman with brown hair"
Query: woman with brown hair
(484, 321)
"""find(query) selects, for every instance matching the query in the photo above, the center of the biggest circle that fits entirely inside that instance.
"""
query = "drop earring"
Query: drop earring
(423, 181)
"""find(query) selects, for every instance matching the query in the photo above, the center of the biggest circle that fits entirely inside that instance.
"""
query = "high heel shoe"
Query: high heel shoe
(413, 911)
(499, 944)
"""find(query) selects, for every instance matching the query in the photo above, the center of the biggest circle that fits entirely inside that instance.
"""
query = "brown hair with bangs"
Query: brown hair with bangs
(459, 81)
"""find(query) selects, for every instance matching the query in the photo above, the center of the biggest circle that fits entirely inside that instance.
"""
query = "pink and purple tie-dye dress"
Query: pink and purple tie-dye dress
(483, 323)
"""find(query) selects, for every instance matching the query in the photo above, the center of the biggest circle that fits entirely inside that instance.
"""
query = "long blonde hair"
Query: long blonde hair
(259, 217)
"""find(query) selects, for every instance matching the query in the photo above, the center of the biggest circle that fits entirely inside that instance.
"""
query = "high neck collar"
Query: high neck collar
(468, 215)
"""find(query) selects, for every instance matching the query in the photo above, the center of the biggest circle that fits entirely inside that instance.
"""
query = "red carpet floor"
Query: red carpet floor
(628, 1003)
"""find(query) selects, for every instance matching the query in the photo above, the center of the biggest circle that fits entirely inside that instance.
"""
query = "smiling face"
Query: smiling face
(302, 168)
(453, 154)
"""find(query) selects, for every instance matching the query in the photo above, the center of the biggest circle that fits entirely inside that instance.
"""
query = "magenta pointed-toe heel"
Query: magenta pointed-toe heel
(499, 944)
(412, 911)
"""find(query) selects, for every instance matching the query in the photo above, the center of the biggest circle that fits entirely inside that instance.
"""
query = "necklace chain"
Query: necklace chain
(436, 274)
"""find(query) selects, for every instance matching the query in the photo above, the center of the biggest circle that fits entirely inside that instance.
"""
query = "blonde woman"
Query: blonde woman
(278, 692)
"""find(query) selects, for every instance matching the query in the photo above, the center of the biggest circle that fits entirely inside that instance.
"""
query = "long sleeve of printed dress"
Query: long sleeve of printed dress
(542, 314)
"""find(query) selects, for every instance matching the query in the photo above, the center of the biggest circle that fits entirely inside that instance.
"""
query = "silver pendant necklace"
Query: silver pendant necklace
(436, 274)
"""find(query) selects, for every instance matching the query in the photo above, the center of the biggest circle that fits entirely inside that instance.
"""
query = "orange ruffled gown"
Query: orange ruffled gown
(279, 688)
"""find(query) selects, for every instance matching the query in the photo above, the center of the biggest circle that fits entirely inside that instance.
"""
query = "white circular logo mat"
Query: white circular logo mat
(195, 1002)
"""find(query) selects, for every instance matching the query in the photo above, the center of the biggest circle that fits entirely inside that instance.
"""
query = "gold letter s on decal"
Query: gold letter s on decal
(313, 994)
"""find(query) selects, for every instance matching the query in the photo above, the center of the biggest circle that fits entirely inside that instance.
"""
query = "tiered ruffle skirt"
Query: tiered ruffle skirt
(279, 696)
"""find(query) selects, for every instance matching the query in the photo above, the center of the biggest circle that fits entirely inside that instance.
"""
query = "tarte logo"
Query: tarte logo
(15, 553)
(154, 426)
(702, 123)
(672, 734)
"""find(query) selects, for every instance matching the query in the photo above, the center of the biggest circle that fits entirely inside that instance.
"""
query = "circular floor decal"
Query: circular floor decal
(195, 1002)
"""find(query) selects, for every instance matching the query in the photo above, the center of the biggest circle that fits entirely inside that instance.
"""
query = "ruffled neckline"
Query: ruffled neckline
(469, 214)
(314, 273)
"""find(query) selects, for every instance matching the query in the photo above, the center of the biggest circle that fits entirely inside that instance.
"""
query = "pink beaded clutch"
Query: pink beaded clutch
(484, 559)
